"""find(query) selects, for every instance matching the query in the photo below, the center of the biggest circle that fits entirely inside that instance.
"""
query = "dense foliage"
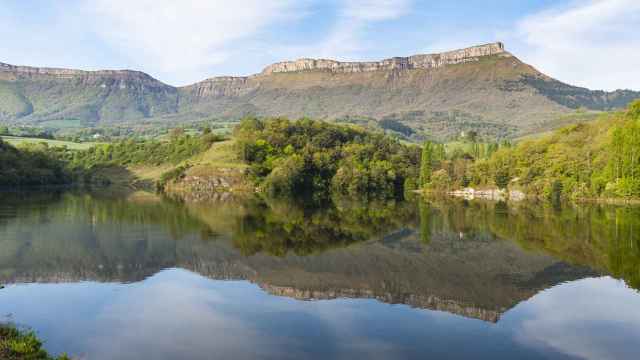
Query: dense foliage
(21, 345)
(586, 160)
(152, 152)
(314, 157)
(31, 166)
(39, 164)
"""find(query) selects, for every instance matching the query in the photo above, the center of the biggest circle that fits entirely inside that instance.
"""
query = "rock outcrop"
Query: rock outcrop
(99, 78)
(424, 61)
(220, 87)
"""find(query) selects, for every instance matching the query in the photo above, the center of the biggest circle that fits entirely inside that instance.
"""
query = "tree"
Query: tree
(4, 130)
(502, 178)
(426, 163)
(634, 110)
(472, 136)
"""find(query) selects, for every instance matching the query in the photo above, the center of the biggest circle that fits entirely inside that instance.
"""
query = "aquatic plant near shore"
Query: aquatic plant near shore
(16, 344)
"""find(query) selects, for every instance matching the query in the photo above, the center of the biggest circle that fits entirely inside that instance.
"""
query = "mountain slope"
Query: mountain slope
(482, 88)
(39, 94)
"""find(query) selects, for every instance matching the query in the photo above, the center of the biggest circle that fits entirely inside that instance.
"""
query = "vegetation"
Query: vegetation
(585, 160)
(308, 157)
(152, 152)
(600, 159)
(19, 140)
(22, 345)
(426, 163)
(37, 164)
(31, 166)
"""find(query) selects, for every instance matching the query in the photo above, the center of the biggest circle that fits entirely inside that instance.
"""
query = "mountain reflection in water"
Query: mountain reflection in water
(473, 259)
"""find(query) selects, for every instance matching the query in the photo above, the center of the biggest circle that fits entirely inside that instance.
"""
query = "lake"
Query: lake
(138, 276)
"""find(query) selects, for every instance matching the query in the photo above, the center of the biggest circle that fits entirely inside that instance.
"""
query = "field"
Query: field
(62, 124)
(15, 140)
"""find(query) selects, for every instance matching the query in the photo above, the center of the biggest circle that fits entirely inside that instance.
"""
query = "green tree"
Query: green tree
(634, 110)
(426, 163)
(4, 130)
(502, 178)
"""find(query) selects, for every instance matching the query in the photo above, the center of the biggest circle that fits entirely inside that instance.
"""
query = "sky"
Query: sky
(590, 43)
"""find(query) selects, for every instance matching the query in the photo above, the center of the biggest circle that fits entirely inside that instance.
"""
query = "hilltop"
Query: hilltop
(482, 88)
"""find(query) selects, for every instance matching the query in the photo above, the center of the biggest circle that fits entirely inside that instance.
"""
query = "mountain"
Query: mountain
(482, 88)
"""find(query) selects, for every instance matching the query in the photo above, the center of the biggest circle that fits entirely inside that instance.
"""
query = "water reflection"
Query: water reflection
(518, 266)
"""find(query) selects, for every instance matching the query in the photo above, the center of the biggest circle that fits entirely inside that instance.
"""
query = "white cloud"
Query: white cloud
(588, 319)
(185, 37)
(375, 10)
(589, 43)
(347, 39)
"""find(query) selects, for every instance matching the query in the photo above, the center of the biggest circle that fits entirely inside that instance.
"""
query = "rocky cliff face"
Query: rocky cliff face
(220, 87)
(101, 78)
(427, 61)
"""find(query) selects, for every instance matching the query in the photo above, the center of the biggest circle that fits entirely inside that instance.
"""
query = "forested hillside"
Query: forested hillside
(587, 160)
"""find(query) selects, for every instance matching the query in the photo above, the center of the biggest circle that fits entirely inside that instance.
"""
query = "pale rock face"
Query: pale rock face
(238, 86)
(222, 86)
(426, 61)
(104, 78)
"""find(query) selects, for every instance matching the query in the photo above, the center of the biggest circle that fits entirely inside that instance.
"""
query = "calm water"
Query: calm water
(139, 277)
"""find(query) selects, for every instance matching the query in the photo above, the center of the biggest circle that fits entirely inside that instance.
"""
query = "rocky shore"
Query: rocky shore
(489, 194)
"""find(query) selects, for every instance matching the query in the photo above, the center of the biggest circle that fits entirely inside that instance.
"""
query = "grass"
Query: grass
(22, 345)
(465, 146)
(16, 141)
(221, 155)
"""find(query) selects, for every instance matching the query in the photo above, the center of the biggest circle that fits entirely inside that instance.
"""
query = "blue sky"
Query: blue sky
(592, 43)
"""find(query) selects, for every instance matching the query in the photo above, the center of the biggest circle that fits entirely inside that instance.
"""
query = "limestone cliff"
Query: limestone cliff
(101, 78)
(425, 61)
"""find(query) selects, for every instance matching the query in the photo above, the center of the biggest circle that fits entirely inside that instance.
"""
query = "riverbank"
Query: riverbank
(517, 196)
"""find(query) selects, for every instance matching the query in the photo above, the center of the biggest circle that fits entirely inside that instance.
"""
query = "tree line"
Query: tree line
(310, 157)
(37, 164)
(585, 160)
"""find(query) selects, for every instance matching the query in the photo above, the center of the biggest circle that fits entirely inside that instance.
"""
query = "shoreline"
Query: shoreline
(499, 195)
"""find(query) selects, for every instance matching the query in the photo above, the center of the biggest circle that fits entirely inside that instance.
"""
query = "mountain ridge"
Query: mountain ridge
(482, 88)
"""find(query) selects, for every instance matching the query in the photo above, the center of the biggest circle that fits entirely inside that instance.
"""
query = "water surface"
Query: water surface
(138, 276)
